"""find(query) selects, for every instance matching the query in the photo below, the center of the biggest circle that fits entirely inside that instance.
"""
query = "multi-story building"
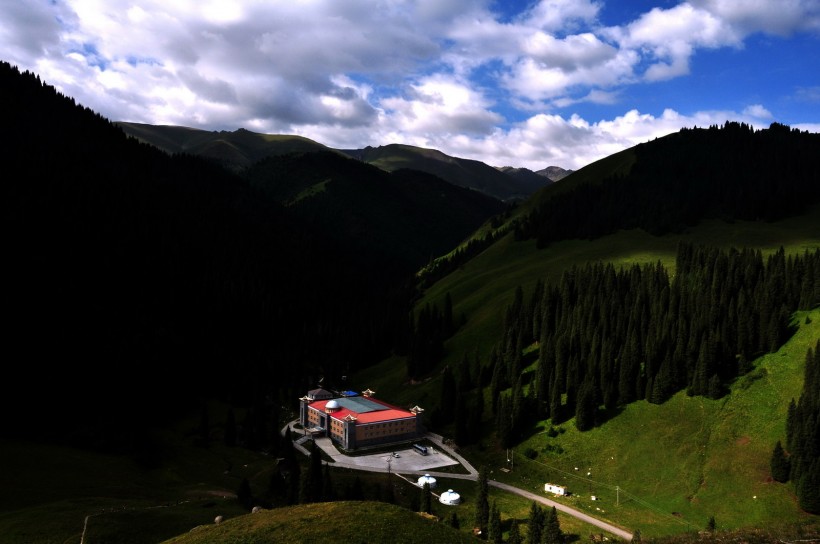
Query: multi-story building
(358, 421)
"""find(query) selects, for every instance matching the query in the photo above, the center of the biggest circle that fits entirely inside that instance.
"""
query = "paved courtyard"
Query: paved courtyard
(408, 461)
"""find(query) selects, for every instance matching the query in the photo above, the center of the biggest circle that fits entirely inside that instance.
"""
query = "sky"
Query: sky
(510, 83)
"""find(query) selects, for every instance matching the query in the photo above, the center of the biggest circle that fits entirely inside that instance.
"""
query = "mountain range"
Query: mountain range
(162, 281)
(241, 148)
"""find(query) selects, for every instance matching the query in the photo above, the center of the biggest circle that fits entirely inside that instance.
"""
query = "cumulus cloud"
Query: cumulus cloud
(783, 17)
(469, 77)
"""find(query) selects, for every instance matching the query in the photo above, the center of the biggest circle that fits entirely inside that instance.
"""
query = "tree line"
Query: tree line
(731, 172)
(609, 337)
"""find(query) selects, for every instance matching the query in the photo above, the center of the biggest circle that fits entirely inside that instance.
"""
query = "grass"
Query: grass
(664, 469)
(350, 521)
(48, 491)
(676, 464)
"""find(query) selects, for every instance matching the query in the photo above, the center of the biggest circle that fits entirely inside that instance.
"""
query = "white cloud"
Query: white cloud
(558, 15)
(781, 17)
(668, 38)
(449, 74)
(442, 105)
(757, 111)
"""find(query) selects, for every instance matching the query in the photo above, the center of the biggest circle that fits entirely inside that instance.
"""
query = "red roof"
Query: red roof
(386, 413)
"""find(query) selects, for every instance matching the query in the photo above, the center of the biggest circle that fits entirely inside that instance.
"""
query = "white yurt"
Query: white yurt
(450, 498)
(427, 479)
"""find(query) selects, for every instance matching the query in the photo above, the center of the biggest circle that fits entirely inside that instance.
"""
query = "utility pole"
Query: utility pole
(617, 495)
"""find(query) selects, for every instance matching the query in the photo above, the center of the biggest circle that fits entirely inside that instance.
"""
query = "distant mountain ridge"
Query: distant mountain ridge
(242, 148)
(552, 173)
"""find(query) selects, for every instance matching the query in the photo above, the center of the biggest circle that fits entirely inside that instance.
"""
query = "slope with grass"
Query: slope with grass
(458, 171)
(677, 463)
(236, 149)
(345, 521)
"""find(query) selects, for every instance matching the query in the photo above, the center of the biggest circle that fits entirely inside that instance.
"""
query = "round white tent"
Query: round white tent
(427, 479)
(450, 498)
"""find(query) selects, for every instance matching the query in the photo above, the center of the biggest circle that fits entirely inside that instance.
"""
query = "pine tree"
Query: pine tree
(230, 429)
(482, 506)
(426, 499)
(585, 407)
(780, 464)
(808, 488)
(448, 395)
(454, 521)
(552, 528)
(328, 492)
(535, 524)
(515, 533)
(495, 533)
(311, 488)
(503, 423)
(244, 494)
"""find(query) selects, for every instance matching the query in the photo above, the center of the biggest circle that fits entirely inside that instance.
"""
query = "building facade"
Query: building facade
(358, 421)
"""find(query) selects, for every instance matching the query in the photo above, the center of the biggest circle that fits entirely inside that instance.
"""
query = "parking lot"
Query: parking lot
(408, 460)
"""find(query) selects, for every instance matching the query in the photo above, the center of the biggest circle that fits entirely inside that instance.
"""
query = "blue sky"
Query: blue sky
(515, 83)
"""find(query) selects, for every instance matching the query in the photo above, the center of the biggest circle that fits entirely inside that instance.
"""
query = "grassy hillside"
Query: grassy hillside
(238, 149)
(677, 463)
(356, 521)
(462, 172)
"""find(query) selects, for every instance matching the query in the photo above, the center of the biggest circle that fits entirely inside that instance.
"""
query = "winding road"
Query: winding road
(382, 463)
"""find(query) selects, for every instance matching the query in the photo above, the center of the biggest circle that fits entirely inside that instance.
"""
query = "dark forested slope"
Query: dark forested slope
(135, 282)
(731, 172)
(407, 216)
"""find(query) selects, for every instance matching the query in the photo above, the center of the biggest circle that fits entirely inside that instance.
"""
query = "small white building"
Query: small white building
(450, 498)
(555, 489)
(427, 479)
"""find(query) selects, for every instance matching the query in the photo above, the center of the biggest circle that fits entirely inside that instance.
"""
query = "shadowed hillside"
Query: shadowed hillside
(407, 216)
(139, 282)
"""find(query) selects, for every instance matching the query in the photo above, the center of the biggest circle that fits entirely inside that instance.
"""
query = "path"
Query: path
(385, 463)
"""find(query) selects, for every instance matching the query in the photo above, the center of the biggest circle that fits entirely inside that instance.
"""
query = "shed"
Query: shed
(556, 489)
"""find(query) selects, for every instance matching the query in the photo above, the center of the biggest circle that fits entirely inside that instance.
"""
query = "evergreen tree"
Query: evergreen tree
(328, 492)
(205, 425)
(230, 429)
(495, 532)
(293, 481)
(448, 395)
(535, 524)
(503, 423)
(780, 465)
(586, 407)
(244, 494)
(515, 533)
(552, 528)
(460, 429)
(312, 486)
(482, 506)
(426, 499)
(355, 490)
(454, 521)
(711, 525)
(808, 488)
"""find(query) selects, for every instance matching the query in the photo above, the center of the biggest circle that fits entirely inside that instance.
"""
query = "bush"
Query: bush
(530, 453)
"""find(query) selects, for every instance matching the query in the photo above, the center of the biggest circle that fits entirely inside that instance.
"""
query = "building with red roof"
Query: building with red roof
(359, 421)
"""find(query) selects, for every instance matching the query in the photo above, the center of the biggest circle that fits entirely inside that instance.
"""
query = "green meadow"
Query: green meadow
(662, 469)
